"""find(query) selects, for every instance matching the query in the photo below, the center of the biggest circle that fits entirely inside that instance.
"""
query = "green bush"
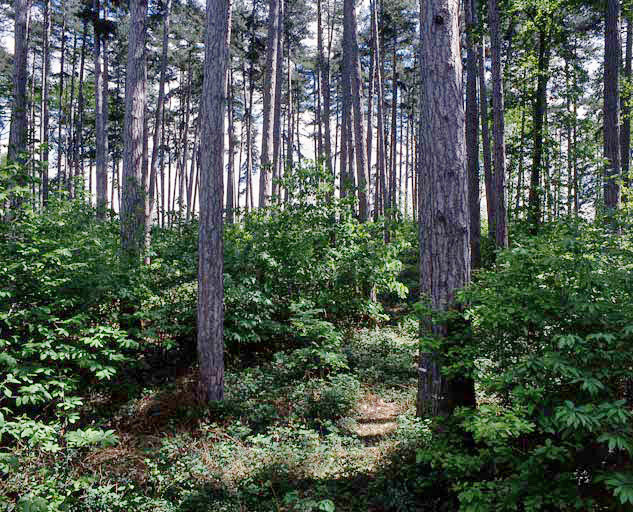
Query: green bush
(552, 334)
(58, 311)
(273, 261)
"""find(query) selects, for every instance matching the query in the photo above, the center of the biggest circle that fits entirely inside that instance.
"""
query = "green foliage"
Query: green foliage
(309, 254)
(57, 318)
(552, 331)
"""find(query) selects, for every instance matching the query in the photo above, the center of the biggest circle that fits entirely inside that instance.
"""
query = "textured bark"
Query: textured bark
(18, 134)
(568, 127)
(157, 145)
(101, 157)
(45, 89)
(210, 259)
(270, 79)
(380, 198)
(443, 212)
(357, 92)
(520, 176)
(346, 112)
(540, 106)
(625, 132)
(132, 207)
(277, 104)
(472, 139)
(499, 148)
(230, 174)
(60, 122)
(78, 138)
(611, 185)
(370, 113)
(394, 127)
(324, 68)
(70, 131)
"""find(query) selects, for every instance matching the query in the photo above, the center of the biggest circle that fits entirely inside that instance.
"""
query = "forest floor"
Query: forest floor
(283, 439)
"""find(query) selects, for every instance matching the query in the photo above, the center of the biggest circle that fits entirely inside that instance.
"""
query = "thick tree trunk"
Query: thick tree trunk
(540, 106)
(70, 130)
(210, 255)
(324, 68)
(499, 148)
(270, 79)
(520, 177)
(101, 157)
(18, 133)
(443, 214)
(346, 112)
(230, 175)
(472, 138)
(394, 127)
(611, 185)
(132, 207)
(277, 104)
(625, 132)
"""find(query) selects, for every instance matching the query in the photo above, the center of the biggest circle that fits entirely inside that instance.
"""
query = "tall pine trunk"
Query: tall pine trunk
(18, 133)
(611, 185)
(499, 148)
(540, 106)
(270, 79)
(210, 255)
(45, 96)
(472, 138)
(443, 213)
(157, 146)
(101, 157)
(132, 207)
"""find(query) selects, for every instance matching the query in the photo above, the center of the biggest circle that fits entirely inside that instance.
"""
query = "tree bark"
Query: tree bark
(78, 138)
(472, 138)
(540, 106)
(101, 157)
(45, 90)
(324, 66)
(230, 178)
(277, 103)
(270, 80)
(485, 134)
(625, 132)
(157, 146)
(380, 200)
(60, 122)
(18, 133)
(359, 129)
(443, 212)
(611, 185)
(210, 254)
(499, 148)
(132, 207)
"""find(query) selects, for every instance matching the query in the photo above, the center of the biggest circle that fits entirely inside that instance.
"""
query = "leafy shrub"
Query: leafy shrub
(58, 310)
(274, 261)
(553, 327)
